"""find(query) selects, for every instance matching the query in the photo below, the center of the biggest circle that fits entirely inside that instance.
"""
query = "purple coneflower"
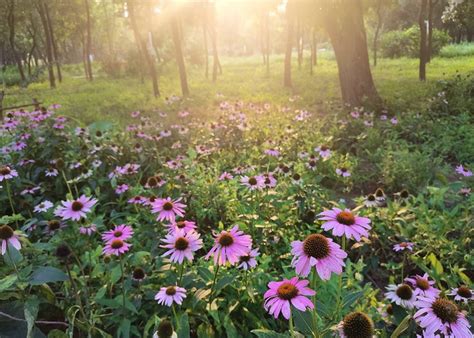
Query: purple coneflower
(229, 246)
(272, 152)
(225, 176)
(7, 173)
(248, 260)
(171, 294)
(403, 246)
(137, 200)
(75, 209)
(121, 231)
(402, 295)
(345, 223)
(88, 229)
(8, 236)
(43, 206)
(253, 182)
(441, 316)
(356, 324)
(423, 286)
(462, 293)
(121, 189)
(51, 172)
(116, 247)
(319, 251)
(281, 295)
(323, 151)
(168, 209)
(181, 245)
(343, 172)
(269, 180)
(463, 171)
(181, 225)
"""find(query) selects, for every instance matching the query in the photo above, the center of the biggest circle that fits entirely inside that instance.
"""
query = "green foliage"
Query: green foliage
(406, 43)
(456, 50)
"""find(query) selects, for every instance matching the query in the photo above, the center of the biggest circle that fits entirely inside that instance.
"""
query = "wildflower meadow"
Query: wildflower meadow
(242, 198)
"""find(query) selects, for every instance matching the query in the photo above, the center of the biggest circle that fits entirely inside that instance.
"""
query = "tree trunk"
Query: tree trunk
(377, 30)
(289, 44)
(299, 43)
(49, 50)
(143, 49)
(53, 43)
(88, 40)
(179, 55)
(423, 46)
(267, 40)
(216, 67)
(11, 27)
(345, 26)
(431, 5)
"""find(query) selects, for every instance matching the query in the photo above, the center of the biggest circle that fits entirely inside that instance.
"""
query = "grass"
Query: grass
(243, 78)
(457, 50)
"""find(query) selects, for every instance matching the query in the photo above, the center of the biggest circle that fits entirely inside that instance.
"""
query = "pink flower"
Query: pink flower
(137, 200)
(403, 246)
(253, 182)
(394, 120)
(248, 261)
(225, 176)
(181, 245)
(343, 172)
(281, 295)
(88, 229)
(116, 247)
(229, 246)
(171, 294)
(462, 293)
(323, 151)
(441, 316)
(75, 209)
(402, 295)
(121, 231)
(345, 223)
(7, 173)
(272, 152)
(423, 286)
(181, 225)
(121, 189)
(320, 252)
(463, 171)
(43, 206)
(8, 236)
(168, 209)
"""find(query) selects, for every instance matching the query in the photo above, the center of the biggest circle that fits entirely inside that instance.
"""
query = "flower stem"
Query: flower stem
(314, 281)
(403, 265)
(181, 270)
(175, 317)
(10, 196)
(67, 184)
(292, 330)
(214, 283)
(123, 288)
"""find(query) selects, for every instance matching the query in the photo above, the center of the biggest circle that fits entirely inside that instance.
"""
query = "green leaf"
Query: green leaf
(13, 257)
(124, 329)
(57, 334)
(115, 274)
(200, 294)
(47, 274)
(230, 328)
(261, 333)
(6, 282)
(224, 281)
(352, 298)
(436, 264)
(303, 321)
(205, 274)
(401, 327)
(31, 311)
(183, 326)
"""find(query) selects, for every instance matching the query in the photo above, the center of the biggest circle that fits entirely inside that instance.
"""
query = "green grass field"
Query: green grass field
(243, 78)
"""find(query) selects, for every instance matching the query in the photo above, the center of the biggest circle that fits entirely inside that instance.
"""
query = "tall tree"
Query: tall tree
(177, 40)
(54, 45)
(379, 14)
(88, 42)
(216, 66)
(11, 38)
(344, 22)
(141, 43)
(290, 22)
(423, 44)
(47, 39)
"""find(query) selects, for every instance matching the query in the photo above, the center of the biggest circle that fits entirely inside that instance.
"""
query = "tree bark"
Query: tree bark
(177, 40)
(88, 40)
(11, 37)
(423, 45)
(377, 30)
(289, 44)
(267, 40)
(216, 66)
(141, 43)
(431, 5)
(344, 23)
(49, 50)
(53, 43)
